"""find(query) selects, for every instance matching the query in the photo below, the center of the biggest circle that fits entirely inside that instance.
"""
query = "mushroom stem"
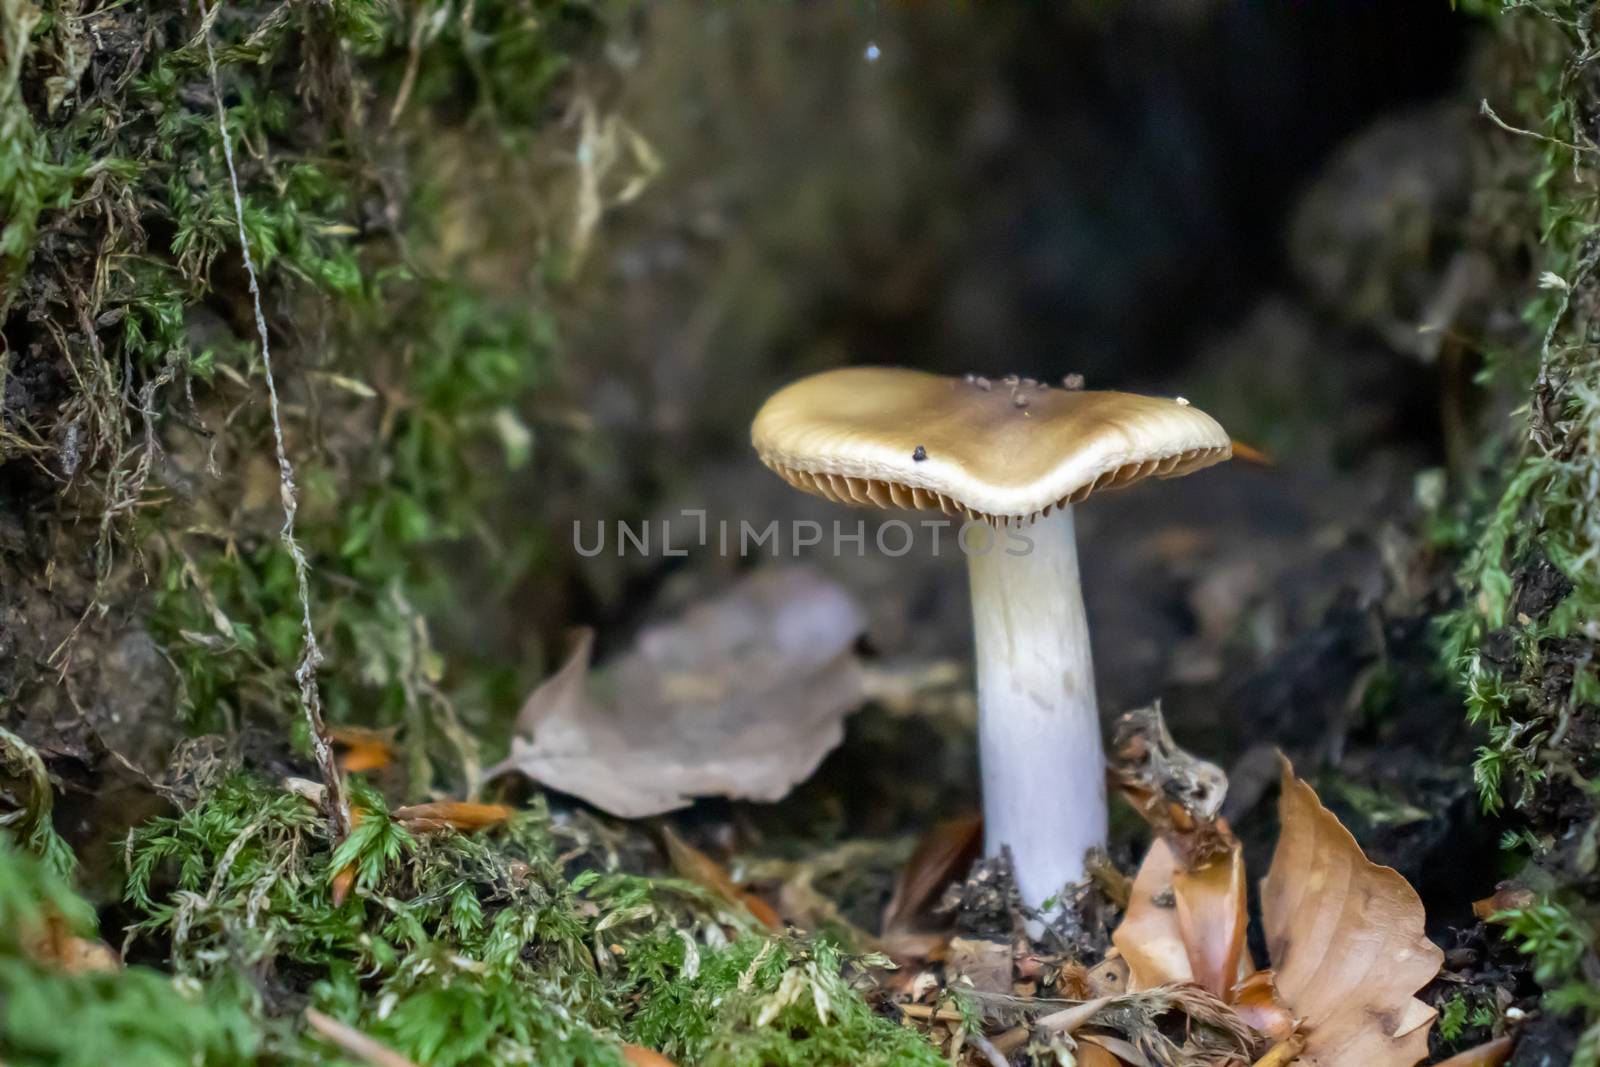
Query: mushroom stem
(1044, 791)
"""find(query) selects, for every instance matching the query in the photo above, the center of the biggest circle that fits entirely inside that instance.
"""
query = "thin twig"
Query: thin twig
(351, 1041)
(1489, 113)
(311, 653)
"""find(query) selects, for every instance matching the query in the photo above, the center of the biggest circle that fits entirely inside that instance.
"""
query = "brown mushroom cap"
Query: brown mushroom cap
(995, 450)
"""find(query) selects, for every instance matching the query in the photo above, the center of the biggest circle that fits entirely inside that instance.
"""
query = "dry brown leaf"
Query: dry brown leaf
(462, 815)
(980, 964)
(1257, 1002)
(699, 868)
(361, 749)
(912, 947)
(1508, 896)
(1489, 1054)
(942, 856)
(1345, 936)
(1187, 926)
(1211, 920)
(1109, 977)
(639, 1056)
(1346, 940)
(54, 944)
(741, 697)
(344, 879)
(1149, 936)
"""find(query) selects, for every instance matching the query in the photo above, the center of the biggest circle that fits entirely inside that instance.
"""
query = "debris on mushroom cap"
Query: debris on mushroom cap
(853, 435)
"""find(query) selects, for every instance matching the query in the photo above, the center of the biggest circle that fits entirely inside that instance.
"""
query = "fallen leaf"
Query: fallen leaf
(1346, 940)
(980, 964)
(740, 697)
(1150, 937)
(1210, 903)
(344, 879)
(911, 947)
(1345, 936)
(699, 868)
(462, 815)
(1186, 926)
(54, 944)
(1109, 977)
(1258, 1003)
(639, 1056)
(942, 856)
(1508, 896)
(1489, 1054)
(361, 749)
(353, 1042)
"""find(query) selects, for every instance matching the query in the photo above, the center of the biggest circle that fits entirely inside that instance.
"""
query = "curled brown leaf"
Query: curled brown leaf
(1508, 896)
(942, 856)
(1149, 936)
(1257, 1001)
(699, 868)
(1489, 1054)
(1210, 902)
(1346, 940)
(1187, 925)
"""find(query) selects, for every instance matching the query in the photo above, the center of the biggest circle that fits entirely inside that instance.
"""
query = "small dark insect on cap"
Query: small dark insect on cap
(919, 453)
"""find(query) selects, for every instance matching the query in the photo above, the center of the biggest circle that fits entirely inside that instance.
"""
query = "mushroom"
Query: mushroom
(885, 437)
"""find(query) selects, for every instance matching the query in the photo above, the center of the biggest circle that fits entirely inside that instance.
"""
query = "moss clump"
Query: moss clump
(133, 426)
(479, 950)
(1525, 640)
(765, 1002)
(54, 1016)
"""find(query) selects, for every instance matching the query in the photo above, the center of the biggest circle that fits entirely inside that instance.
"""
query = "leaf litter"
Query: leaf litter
(1180, 988)
(1345, 937)
(741, 697)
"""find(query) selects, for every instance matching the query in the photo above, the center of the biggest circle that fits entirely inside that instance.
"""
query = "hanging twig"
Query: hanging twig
(311, 653)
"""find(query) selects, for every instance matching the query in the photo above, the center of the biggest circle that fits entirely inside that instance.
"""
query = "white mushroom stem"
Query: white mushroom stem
(1044, 791)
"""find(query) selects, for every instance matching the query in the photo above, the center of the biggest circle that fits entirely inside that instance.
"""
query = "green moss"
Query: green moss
(406, 381)
(479, 950)
(766, 1002)
(1548, 503)
(51, 1017)
(1524, 641)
